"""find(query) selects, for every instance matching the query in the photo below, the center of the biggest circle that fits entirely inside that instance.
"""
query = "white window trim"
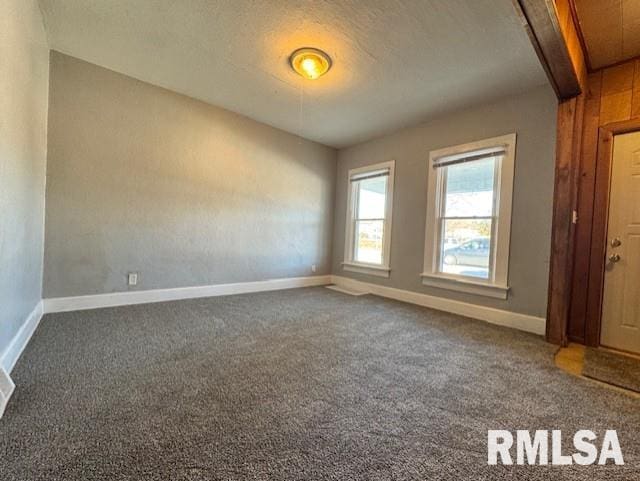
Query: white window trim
(497, 286)
(349, 264)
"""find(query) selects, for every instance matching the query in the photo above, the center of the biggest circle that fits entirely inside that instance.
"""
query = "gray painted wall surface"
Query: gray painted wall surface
(24, 73)
(143, 179)
(533, 117)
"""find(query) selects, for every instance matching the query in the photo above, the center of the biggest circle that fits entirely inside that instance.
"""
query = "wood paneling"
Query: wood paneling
(586, 125)
(611, 30)
(569, 113)
(617, 93)
(614, 110)
(569, 140)
(616, 107)
(597, 248)
(618, 79)
(586, 189)
(635, 101)
(609, 102)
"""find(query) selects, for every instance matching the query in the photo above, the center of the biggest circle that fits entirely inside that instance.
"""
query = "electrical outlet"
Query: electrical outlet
(313, 267)
(132, 278)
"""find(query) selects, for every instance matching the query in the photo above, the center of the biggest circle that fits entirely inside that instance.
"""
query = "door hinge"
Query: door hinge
(574, 217)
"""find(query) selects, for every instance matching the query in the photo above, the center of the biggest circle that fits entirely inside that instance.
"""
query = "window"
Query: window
(469, 217)
(368, 230)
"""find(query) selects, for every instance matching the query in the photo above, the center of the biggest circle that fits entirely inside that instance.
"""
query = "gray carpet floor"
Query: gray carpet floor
(612, 368)
(301, 384)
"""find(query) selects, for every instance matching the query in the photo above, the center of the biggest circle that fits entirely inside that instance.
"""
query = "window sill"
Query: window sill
(463, 285)
(379, 271)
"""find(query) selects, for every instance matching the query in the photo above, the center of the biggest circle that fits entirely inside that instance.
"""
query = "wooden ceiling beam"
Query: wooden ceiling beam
(541, 22)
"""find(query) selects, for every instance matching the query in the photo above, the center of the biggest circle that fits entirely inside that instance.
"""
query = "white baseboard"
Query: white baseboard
(344, 290)
(78, 303)
(500, 317)
(12, 353)
(6, 389)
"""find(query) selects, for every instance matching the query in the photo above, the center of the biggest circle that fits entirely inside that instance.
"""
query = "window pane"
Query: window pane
(368, 237)
(469, 189)
(372, 194)
(466, 247)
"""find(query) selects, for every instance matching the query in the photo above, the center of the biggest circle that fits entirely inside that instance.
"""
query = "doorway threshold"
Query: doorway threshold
(610, 369)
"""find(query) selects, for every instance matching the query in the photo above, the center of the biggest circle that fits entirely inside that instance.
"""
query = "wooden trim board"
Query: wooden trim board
(541, 23)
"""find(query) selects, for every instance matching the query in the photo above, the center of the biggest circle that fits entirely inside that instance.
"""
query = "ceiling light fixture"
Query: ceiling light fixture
(310, 63)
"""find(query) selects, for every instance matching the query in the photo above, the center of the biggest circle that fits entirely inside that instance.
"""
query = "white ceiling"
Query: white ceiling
(396, 62)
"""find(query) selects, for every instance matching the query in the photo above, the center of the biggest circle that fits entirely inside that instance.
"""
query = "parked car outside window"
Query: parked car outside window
(474, 252)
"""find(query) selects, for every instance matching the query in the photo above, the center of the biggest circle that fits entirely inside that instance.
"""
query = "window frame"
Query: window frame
(349, 264)
(496, 285)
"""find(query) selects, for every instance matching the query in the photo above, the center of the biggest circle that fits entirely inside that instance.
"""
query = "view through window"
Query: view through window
(467, 217)
(370, 195)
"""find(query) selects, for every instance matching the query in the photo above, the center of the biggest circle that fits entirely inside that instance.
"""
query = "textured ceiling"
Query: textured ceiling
(611, 30)
(396, 62)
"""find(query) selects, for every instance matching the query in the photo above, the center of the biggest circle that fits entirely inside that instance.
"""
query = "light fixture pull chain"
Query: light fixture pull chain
(300, 119)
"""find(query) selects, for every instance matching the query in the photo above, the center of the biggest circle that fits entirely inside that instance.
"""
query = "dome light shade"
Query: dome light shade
(310, 63)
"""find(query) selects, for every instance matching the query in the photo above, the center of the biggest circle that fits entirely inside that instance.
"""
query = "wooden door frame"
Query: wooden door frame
(599, 226)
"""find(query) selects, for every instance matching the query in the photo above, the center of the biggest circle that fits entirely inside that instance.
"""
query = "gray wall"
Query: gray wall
(24, 73)
(533, 116)
(143, 179)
